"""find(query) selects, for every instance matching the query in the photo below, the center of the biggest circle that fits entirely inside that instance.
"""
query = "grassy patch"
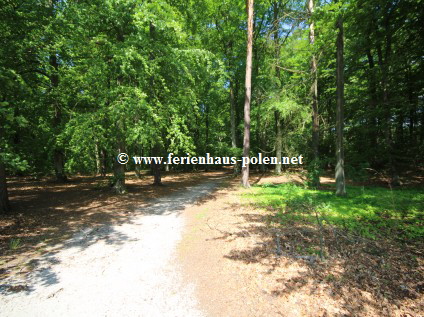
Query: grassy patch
(368, 211)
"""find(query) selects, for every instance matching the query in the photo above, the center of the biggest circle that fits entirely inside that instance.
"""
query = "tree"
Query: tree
(340, 176)
(314, 97)
(247, 101)
(278, 128)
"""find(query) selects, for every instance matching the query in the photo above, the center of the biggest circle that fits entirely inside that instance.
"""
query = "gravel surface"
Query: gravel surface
(122, 270)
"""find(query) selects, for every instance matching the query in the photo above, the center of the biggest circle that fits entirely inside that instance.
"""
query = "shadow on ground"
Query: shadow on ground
(384, 274)
(49, 218)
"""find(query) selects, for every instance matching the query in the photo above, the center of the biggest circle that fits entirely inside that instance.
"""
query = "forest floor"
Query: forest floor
(244, 263)
(197, 245)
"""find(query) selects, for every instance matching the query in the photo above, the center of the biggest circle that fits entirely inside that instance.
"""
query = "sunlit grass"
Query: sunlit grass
(369, 211)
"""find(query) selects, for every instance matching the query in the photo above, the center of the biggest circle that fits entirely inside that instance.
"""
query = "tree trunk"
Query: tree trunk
(278, 131)
(4, 197)
(97, 155)
(104, 162)
(157, 181)
(119, 170)
(373, 131)
(246, 140)
(58, 155)
(314, 96)
(233, 116)
(278, 142)
(207, 133)
(59, 162)
(155, 168)
(340, 176)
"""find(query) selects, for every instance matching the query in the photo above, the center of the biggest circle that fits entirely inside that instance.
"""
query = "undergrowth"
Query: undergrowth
(368, 211)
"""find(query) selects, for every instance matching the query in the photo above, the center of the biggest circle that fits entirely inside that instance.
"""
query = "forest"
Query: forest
(338, 82)
(82, 81)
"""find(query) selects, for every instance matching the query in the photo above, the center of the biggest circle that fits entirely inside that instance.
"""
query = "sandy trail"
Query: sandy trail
(120, 270)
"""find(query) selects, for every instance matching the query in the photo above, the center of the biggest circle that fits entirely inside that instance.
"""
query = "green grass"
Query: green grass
(14, 243)
(368, 211)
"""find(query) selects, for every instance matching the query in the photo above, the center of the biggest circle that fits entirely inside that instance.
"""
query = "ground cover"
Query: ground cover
(263, 251)
(368, 211)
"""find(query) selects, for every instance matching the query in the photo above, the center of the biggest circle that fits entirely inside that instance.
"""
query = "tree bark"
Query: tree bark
(278, 130)
(155, 168)
(119, 169)
(58, 155)
(97, 156)
(233, 116)
(247, 100)
(278, 142)
(314, 94)
(340, 176)
(157, 181)
(207, 133)
(4, 197)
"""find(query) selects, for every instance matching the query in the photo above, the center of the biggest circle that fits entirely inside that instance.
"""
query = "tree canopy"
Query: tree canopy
(81, 81)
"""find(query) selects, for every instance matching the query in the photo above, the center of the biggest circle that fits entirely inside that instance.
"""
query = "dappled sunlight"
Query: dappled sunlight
(84, 215)
(367, 209)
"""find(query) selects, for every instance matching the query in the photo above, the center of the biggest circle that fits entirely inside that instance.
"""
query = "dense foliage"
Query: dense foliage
(81, 81)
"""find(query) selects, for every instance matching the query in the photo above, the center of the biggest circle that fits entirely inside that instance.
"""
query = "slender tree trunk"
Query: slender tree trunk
(58, 155)
(232, 97)
(233, 116)
(103, 155)
(373, 132)
(236, 113)
(207, 133)
(4, 197)
(278, 141)
(340, 176)
(314, 95)
(156, 168)
(157, 181)
(97, 156)
(247, 101)
(278, 130)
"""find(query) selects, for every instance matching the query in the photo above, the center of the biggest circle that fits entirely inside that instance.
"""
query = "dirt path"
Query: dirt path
(113, 270)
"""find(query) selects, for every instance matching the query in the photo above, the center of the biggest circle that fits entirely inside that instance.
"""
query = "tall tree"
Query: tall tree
(314, 95)
(278, 128)
(340, 176)
(247, 100)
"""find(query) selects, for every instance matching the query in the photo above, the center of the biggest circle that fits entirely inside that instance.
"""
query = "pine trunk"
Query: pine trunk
(58, 155)
(247, 101)
(278, 130)
(340, 176)
(314, 96)
(233, 116)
